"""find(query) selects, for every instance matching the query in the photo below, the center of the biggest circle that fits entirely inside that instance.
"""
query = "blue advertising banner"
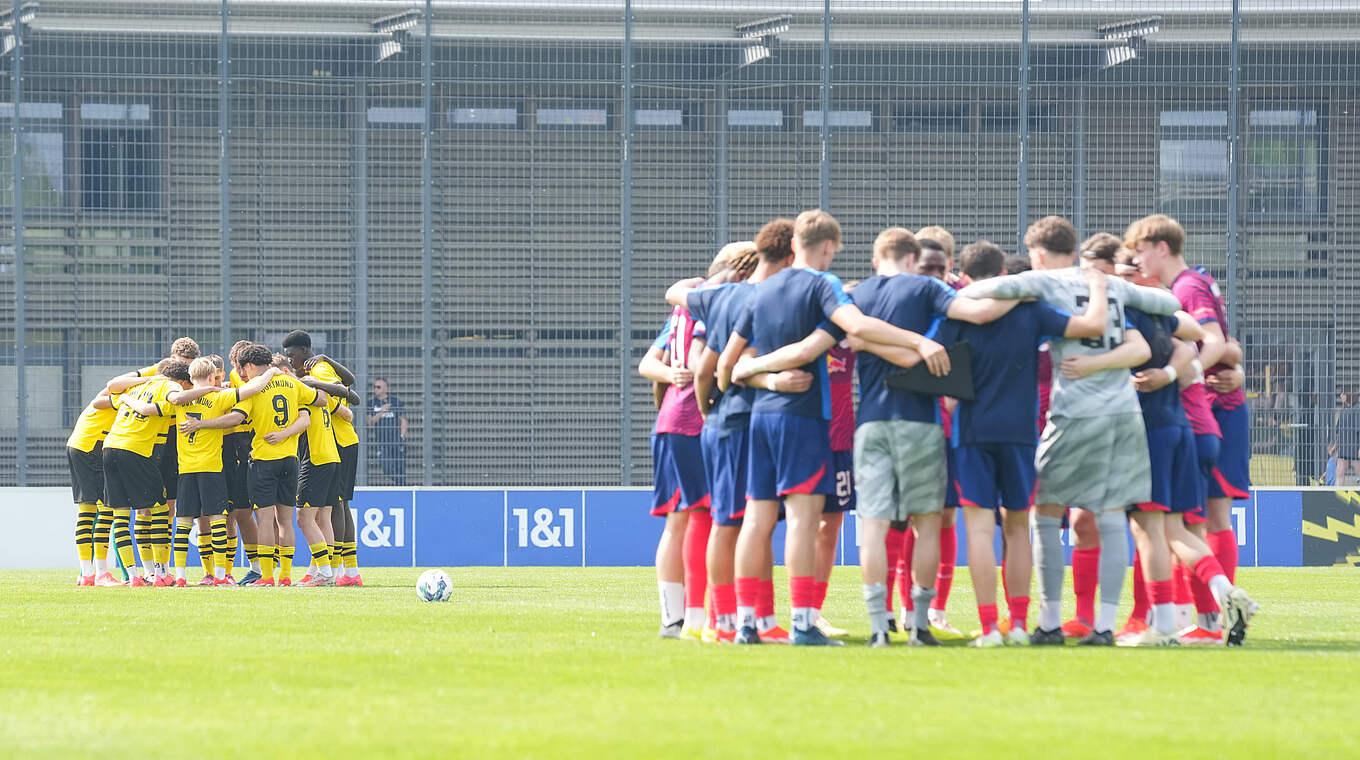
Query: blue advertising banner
(613, 527)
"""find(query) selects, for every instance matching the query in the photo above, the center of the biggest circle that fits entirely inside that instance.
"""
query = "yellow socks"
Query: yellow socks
(266, 555)
(122, 537)
(285, 562)
(160, 533)
(218, 557)
(182, 530)
(85, 516)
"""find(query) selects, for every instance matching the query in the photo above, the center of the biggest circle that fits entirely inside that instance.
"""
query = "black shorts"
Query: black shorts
(87, 474)
(273, 481)
(349, 466)
(236, 468)
(201, 494)
(317, 485)
(169, 464)
(131, 481)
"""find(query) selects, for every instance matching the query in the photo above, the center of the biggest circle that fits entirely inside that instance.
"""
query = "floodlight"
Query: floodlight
(387, 49)
(1127, 30)
(397, 22)
(764, 27)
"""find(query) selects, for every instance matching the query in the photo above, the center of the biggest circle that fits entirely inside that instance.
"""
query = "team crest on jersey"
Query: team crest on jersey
(835, 364)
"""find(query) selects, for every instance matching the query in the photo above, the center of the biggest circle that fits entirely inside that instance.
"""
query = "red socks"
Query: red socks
(949, 555)
(1163, 592)
(1207, 568)
(819, 593)
(1019, 611)
(1140, 592)
(1181, 575)
(696, 556)
(894, 547)
(765, 600)
(987, 616)
(725, 599)
(1224, 546)
(748, 593)
(802, 591)
(1205, 603)
(1085, 578)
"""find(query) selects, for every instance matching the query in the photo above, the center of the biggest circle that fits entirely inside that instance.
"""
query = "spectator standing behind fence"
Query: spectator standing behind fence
(387, 419)
(1348, 441)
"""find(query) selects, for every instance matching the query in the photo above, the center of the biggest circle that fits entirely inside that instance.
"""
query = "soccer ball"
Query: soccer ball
(434, 586)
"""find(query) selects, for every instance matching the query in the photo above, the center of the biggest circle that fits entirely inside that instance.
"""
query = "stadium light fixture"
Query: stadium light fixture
(397, 27)
(1128, 38)
(398, 22)
(25, 15)
(763, 35)
(765, 27)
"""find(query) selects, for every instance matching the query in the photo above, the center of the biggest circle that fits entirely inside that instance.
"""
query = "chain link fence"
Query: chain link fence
(482, 203)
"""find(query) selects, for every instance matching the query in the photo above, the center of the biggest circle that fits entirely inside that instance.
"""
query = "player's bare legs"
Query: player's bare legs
(1149, 534)
(1236, 607)
(1085, 572)
(722, 571)
(1019, 567)
(670, 573)
(981, 527)
(828, 537)
(1218, 510)
(754, 557)
(803, 514)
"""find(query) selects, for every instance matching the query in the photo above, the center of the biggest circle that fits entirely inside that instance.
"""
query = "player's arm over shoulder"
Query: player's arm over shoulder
(1032, 284)
(1145, 299)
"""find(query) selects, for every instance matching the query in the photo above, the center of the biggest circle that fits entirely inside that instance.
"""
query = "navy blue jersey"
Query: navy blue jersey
(719, 307)
(1005, 374)
(912, 302)
(785, 309)
(1162, 407)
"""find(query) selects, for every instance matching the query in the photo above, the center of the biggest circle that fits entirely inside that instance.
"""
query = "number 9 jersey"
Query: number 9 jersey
(274, 409)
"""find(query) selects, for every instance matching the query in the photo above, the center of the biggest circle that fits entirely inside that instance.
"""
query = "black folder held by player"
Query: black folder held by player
(958, 383)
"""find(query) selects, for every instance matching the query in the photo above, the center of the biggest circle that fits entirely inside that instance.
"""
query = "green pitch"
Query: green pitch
(564, 662)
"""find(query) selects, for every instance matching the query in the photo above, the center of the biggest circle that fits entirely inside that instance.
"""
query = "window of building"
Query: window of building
(120, 158)
(1285, 169)
(744, 118)
(572, 118)
(1193, 159)
(44, 155)
(471, 117)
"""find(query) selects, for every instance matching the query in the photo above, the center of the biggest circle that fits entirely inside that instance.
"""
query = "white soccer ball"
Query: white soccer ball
(434, 586)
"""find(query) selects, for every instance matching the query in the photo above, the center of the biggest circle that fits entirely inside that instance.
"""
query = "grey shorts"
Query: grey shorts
(1096, 463)
(899, 469)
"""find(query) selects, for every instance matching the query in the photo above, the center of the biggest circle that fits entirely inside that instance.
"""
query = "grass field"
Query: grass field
(564, 662)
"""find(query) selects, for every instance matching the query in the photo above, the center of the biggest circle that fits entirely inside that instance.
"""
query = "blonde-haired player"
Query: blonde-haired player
(277, 415)
(202, 485)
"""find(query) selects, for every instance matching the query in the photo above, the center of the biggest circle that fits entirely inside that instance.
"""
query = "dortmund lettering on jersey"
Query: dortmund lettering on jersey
(201, 450)
(274, 409)
(137, 433)
(344, 429)
(321, 439)
(235, 381)
(1101, 393)
(93, 425)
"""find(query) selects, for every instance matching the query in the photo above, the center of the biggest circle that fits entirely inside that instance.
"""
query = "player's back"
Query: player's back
(318, 444)
(1162, 407)
(201, 450)
(1005, 358)
(92, 426)
(273, 409)
(1101, 393)
(785, 309)
(911, 302)
(681, 337)
(1201, 298)
(345, 434)
(137, 433)
(719, 307)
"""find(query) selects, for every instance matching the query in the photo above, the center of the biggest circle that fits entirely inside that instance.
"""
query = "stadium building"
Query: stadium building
(584, 155)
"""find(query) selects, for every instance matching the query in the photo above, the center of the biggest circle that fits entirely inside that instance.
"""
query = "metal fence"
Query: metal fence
(483, 202)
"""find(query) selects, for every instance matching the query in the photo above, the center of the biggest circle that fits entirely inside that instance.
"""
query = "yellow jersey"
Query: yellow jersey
(273, 409)
(133, 432)
(321, 434)
(201, 450)
(92, 426)
(344, 429)
(236, 382)
(165, 422)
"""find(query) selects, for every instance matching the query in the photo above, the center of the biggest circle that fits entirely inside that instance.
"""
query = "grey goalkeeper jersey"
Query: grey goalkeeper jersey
(1101, 393)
